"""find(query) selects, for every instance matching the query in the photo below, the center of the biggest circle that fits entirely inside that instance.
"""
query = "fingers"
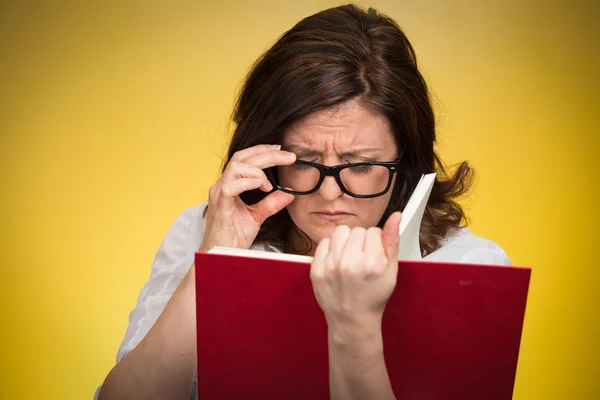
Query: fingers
(270, 205)
(373, 241)
(239, 186)
(353, 249)
(338, 241)
(390, 236)
(317, 267)
(375, 261)
(249, 163)
(264, 156)
(270, 159)
(352, 277)
(250, 151)
(236, 170)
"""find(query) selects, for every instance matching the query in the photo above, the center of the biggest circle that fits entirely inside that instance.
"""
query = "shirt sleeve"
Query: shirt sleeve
(172, 261)
(487, 255)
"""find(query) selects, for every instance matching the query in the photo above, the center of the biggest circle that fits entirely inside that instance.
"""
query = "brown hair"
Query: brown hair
(327, 59)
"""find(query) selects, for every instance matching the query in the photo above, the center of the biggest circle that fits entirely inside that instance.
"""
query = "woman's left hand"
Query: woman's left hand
(354, 273)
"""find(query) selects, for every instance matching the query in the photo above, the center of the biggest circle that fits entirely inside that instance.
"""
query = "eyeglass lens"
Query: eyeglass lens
(360, 180)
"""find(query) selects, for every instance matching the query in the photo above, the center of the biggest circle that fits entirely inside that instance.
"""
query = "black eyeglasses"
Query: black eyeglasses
(361, 180)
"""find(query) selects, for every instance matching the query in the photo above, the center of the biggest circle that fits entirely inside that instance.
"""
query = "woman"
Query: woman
(342, 89)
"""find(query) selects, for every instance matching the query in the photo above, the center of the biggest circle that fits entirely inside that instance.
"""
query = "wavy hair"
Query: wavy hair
(330, 58)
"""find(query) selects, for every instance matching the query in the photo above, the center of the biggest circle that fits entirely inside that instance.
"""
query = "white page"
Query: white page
(260, 254)
(412, 216)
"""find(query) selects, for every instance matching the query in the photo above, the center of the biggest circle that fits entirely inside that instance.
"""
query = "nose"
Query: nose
(329, 189)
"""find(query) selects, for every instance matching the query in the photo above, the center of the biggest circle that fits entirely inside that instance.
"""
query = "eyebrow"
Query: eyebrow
(306, 152)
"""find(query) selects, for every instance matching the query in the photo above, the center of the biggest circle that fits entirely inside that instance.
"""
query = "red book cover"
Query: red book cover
(450, 331)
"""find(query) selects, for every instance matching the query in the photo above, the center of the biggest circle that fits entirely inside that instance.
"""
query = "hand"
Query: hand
(229, 221)
(354, 273)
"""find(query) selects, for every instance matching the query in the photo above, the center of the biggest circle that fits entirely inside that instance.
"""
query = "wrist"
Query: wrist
(363, 331)
(203, 248)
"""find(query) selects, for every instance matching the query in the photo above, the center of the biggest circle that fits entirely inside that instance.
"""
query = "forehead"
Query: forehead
(341, 127)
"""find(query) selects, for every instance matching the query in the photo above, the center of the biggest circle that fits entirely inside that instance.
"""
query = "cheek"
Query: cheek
(299, 213)
(295, 209)
(284, 178)
(372, 210)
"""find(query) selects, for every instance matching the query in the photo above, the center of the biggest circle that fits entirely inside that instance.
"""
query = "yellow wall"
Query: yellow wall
(113, 118)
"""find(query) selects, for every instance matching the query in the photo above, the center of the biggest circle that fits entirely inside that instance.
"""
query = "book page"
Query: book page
(259, 254)
(412, 216)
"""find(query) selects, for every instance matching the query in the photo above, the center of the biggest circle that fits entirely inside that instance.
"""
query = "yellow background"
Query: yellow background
(114, 118)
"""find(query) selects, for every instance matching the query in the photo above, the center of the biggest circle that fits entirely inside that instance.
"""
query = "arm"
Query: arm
(353, 274)
(157, 354)
(356, 364)
(162, 366)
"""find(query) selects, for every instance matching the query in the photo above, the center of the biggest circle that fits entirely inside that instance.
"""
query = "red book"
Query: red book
(450, 331)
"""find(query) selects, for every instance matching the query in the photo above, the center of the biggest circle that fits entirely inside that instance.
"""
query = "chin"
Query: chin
(319, 229)
(319, 234)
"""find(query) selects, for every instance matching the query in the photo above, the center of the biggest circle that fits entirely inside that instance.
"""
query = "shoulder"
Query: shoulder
(462, 245)
(187, 229)
(192, 214)
(172, 260)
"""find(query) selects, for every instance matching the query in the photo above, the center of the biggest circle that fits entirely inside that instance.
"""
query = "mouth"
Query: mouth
(332, 215)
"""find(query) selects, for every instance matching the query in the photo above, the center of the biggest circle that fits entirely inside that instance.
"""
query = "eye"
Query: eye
(362, 169)
(300, 167)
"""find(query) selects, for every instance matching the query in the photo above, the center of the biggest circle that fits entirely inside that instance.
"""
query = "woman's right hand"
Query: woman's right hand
(229, 221)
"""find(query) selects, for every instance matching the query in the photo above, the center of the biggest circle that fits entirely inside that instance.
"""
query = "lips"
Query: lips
(332, 215)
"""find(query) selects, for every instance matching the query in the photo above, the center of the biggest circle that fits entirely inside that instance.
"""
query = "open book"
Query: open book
(451, 330)
(410, 227)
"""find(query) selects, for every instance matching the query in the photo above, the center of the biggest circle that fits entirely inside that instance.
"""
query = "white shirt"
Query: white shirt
(175, 256)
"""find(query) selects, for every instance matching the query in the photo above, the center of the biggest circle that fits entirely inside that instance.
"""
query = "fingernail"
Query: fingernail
(269, 186)
(290, 155)
(276, 146)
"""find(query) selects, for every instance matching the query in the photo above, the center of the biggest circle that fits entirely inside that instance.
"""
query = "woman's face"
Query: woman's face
(345, 134)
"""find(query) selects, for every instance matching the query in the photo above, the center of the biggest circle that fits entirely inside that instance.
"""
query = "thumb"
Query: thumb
(271, 205)
(391, 235)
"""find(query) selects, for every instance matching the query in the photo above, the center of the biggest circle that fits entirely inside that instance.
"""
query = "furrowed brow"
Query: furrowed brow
(306, 152)
(359, 152)
(301, 151)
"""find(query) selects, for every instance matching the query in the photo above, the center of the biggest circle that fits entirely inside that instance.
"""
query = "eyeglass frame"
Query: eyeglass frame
(334, 170)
